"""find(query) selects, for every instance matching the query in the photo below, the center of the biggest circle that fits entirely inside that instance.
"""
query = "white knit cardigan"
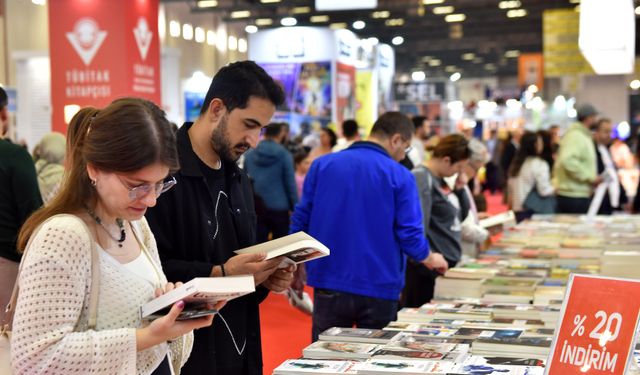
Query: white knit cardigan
(50, 326)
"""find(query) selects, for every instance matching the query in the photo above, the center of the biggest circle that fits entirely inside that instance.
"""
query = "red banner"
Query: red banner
(597, 332)
(102, 50)
(345, 92)
(530, 70)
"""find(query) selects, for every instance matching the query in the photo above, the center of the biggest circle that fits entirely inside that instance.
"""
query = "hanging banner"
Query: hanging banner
(598, 326)
(102, 50)
(562, 56)
(345, 92)
(366, 98)
(530, 70)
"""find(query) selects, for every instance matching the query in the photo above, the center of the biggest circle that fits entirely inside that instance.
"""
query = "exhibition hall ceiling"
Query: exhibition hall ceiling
(475, 37)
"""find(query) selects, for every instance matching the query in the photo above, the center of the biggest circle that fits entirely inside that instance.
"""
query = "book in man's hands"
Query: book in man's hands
(298, 247)
(198, 294)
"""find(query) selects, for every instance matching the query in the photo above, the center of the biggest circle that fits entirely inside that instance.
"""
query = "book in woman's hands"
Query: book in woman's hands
(298, 247)
(199, 295)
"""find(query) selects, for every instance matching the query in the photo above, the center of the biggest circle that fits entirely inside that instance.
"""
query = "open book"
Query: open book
(298, 247)
(506, 219)
(197, 295)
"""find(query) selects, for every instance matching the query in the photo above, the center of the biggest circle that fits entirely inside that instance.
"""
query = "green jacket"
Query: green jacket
(575, 168)
(19, 195)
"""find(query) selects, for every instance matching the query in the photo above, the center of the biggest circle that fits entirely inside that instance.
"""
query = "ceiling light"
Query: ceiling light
(200, 35)
(443, 10)
(187, 31)
(418, 76)
(490, 66)
(207, 3)
(635, 84)
(430, 2)
(516, 13)
(426, 58)
(211, 38)
(574, 1)
(455, 76)
(232, 43)
(450, 68)
(512, 53)
(477, 60)
(381, 14)
(174, 29)
(242, 45)
(288, 21)
(455, 17)
(394, 22)
(435, 62)
(301, 10)
(338, 25)
(359, 25)
(241, 14)
(319, 18)
(264, 21)
(373, 41)
(269, 1)
(39, 2)
(468, 56)
(250, 29)
(509, 4)
(638, 10)
(398, 40)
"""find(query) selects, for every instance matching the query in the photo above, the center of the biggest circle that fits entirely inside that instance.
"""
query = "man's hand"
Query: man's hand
(435, 261)
(252, 264)
(597, 181)
(280, 280)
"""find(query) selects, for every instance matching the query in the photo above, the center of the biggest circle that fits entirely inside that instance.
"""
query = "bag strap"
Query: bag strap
(93, 293)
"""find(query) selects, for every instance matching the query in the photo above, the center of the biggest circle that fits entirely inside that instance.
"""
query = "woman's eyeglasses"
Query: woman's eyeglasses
(141, 191)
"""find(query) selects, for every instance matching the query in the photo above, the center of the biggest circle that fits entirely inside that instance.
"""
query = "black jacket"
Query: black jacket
(606, 208)
(182, 224)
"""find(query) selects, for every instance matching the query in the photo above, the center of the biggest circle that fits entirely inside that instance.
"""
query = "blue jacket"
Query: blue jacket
(364, 207)
(270, 166)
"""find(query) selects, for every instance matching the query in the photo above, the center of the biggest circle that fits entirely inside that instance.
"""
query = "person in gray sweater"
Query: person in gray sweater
(270, 166)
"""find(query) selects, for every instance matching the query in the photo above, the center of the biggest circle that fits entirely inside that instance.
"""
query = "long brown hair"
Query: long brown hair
(127, 135)
(526, 150)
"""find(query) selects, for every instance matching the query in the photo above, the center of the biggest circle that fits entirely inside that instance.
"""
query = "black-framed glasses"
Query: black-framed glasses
(408, 149)
(141, 191)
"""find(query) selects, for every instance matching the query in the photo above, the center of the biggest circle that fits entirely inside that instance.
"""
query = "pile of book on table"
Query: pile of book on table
(495, 314)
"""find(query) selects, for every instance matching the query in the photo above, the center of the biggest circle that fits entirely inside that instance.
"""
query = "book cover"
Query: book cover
(357, 335)
(335, 349)
(197, 294)
(310, 366)
(298, 247)
(390, 366)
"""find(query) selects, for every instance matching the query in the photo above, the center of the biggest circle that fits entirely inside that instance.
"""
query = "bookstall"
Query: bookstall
(554, 295)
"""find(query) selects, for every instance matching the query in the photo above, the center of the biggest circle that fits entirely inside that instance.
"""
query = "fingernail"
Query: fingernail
(180, 304)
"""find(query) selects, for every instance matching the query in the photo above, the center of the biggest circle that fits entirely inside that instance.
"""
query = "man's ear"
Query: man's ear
(396, 140)
(216, 110)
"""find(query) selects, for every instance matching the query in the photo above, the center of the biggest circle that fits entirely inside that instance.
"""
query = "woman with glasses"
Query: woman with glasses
(121, 159)
(443, 208)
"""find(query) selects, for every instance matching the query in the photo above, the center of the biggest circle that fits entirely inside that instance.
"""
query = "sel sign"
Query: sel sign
(419, 92)
(598, 325)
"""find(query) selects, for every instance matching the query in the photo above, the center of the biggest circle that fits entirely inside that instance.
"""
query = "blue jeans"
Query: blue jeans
(340, 309)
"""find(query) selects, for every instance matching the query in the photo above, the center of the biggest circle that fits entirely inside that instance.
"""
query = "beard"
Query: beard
(221, 143)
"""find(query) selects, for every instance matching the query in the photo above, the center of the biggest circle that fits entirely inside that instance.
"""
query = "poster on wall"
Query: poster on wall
(193, 104)
(365, 96)
(385, 64)
(307, 88)
(84, 43)
(345, 92)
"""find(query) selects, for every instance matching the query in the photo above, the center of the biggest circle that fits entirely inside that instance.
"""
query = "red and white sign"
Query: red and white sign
(102, 50)
(597, 330)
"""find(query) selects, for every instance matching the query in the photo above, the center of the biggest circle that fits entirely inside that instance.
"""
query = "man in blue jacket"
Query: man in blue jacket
(270, 166)
(364, 206)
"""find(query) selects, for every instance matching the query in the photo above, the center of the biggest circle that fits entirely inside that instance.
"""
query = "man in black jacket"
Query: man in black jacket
(210, 213)
(602, 141)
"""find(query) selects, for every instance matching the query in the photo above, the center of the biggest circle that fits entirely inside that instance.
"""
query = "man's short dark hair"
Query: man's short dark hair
(4, 99)
(418, 121)
(349, 128)
(235, 83)
(392, 123)
(273, 130)
(601, 122)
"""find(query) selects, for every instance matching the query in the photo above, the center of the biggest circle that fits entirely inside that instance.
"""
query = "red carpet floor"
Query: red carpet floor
(286, 331)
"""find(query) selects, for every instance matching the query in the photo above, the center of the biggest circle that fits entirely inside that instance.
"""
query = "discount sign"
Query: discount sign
(598, 326)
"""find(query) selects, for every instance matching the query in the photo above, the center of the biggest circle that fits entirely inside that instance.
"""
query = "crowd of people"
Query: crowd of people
(88, 238)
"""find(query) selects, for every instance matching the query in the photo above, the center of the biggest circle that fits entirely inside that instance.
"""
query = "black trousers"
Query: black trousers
(339, 309)
(274, 222)
(419, 284)
(570, 205)
(164, 368)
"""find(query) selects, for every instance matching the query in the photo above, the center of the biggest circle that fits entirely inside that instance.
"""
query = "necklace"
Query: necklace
(119, 223)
